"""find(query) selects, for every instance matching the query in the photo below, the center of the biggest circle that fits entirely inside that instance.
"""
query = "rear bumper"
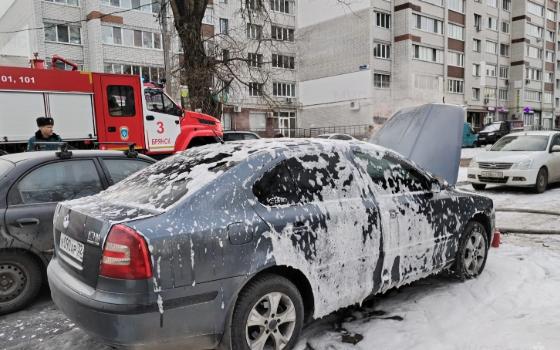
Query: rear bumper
(194, 321)
(511, 177)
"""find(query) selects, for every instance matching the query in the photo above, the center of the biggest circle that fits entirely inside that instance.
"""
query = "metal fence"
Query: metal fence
(357, 131)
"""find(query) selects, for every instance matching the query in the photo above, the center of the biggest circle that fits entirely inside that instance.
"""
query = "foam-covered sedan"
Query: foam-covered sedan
(238, 244)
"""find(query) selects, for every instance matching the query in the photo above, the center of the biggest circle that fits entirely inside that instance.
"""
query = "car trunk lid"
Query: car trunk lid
(80, 230)
(430, 135)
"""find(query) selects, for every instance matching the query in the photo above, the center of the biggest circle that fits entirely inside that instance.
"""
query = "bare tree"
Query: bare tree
(230, 59)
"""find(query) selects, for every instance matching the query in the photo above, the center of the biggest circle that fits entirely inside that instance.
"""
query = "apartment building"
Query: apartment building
(498, 58)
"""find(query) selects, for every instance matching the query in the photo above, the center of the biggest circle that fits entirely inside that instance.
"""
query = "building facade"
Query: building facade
(498, 58)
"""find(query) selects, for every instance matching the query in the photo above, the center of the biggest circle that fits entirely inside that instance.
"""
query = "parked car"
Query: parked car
(240, 135)
(529, 159)
(336, 136)
(31, 185)
(240, 243)
(470, 138)
(493, 132)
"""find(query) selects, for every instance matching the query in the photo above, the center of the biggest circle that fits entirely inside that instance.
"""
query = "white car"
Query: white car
(336, 137)
(529, 158)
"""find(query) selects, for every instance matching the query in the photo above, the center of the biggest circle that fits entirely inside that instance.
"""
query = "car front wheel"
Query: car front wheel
(20, 281)
(473, 251)
(268, 315)
(542, 181)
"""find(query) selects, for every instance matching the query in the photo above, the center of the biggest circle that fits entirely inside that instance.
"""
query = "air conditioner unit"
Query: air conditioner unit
(354, 106)
(237, 109)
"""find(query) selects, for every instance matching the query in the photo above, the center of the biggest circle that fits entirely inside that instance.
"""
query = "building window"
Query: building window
(490, 70)
(533, 74)
(491, 47)
(549, 56)
(155, 74)
(280, 6)
(427, 54)
(428, 24)
(535, 9)
(504, 50)
(283, 89)
(504, 72)
(456, 5)
(533, 30)
(549, 77)
(505, 27)
(455, 86)
(503, 94)
(476, 69)
(383, 20)
(255, 89)
(551, 15)
(476, 45)
(382, 81)
(140, 5)
(456, 59)
(131, 38)
(531, 95)
(492, 23)
(283, 61)
(534, 52)
(455, 31)
(550, 35)
(254, 31)
(224, 26)
(477, 22)
(66, 2)
(547, 97)
(282, 33)
(506, 5)
(255, 59)
(382, 50)
(476, 94)
(254, 5)
(63, 33)
(492, 3)
(489, 93)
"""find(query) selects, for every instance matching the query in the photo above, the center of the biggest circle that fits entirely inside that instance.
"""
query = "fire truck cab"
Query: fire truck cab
(112, 109)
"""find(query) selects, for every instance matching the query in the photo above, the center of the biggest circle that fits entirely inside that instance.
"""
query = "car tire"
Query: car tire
(542, 181)
(267, 325)
(20, 280)
(479, 187)
(472, 253)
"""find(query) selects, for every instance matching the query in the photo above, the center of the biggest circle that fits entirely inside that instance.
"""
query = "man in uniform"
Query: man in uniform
(44, 134)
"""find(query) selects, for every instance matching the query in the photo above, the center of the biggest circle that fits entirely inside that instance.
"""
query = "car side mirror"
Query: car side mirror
(555, 148)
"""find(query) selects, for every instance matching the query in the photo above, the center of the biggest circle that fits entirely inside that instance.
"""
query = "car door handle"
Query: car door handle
(111, 129)
(27, 222)
(150, 117)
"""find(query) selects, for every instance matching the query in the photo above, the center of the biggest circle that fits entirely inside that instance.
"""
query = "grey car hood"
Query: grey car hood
(430, 135)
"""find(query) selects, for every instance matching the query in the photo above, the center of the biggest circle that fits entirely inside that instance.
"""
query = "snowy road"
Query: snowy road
(513, 305)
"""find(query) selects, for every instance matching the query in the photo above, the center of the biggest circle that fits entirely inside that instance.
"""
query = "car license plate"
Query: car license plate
(72, 247)
(497, 174)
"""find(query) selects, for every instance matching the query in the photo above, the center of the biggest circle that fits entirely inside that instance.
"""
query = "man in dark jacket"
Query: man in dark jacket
(44, 134)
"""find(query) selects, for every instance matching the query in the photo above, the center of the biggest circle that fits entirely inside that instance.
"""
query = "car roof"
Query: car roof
(48, 155)
(535, 132)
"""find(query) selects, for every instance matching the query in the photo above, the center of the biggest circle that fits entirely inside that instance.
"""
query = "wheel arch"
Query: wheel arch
(486, 222)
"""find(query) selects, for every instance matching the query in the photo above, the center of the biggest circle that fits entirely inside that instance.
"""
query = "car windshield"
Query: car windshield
(159, 186)
(521, 143)
(5, 166)
(491, 127)
(324, 136)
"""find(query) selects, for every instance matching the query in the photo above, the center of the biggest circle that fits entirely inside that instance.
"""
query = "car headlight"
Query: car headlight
(523, 165)
(491, 133)
(473, 164)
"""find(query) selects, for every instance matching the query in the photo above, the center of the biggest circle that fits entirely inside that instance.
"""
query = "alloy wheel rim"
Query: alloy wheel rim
(475, 252)
(271, 322)
(12, 282)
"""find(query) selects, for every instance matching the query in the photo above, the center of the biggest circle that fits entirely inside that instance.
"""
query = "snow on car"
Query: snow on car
(528, 159)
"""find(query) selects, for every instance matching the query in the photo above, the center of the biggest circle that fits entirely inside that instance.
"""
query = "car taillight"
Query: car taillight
(125, 255)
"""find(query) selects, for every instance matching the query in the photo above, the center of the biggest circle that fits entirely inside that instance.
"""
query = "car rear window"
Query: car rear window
(5, 166)
(162, 184)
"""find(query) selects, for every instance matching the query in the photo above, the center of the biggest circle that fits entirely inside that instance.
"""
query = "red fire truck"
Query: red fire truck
(111, 109)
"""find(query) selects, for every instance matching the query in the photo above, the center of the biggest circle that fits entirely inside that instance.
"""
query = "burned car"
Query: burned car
(238, 244)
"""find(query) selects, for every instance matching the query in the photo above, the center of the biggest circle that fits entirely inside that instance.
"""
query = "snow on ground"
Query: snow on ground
(514, 304)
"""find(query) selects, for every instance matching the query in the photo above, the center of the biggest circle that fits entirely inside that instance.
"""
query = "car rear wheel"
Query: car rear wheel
(20, 281)
(479, 187)
(268, 315)
(473, 251)
(542, 181)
